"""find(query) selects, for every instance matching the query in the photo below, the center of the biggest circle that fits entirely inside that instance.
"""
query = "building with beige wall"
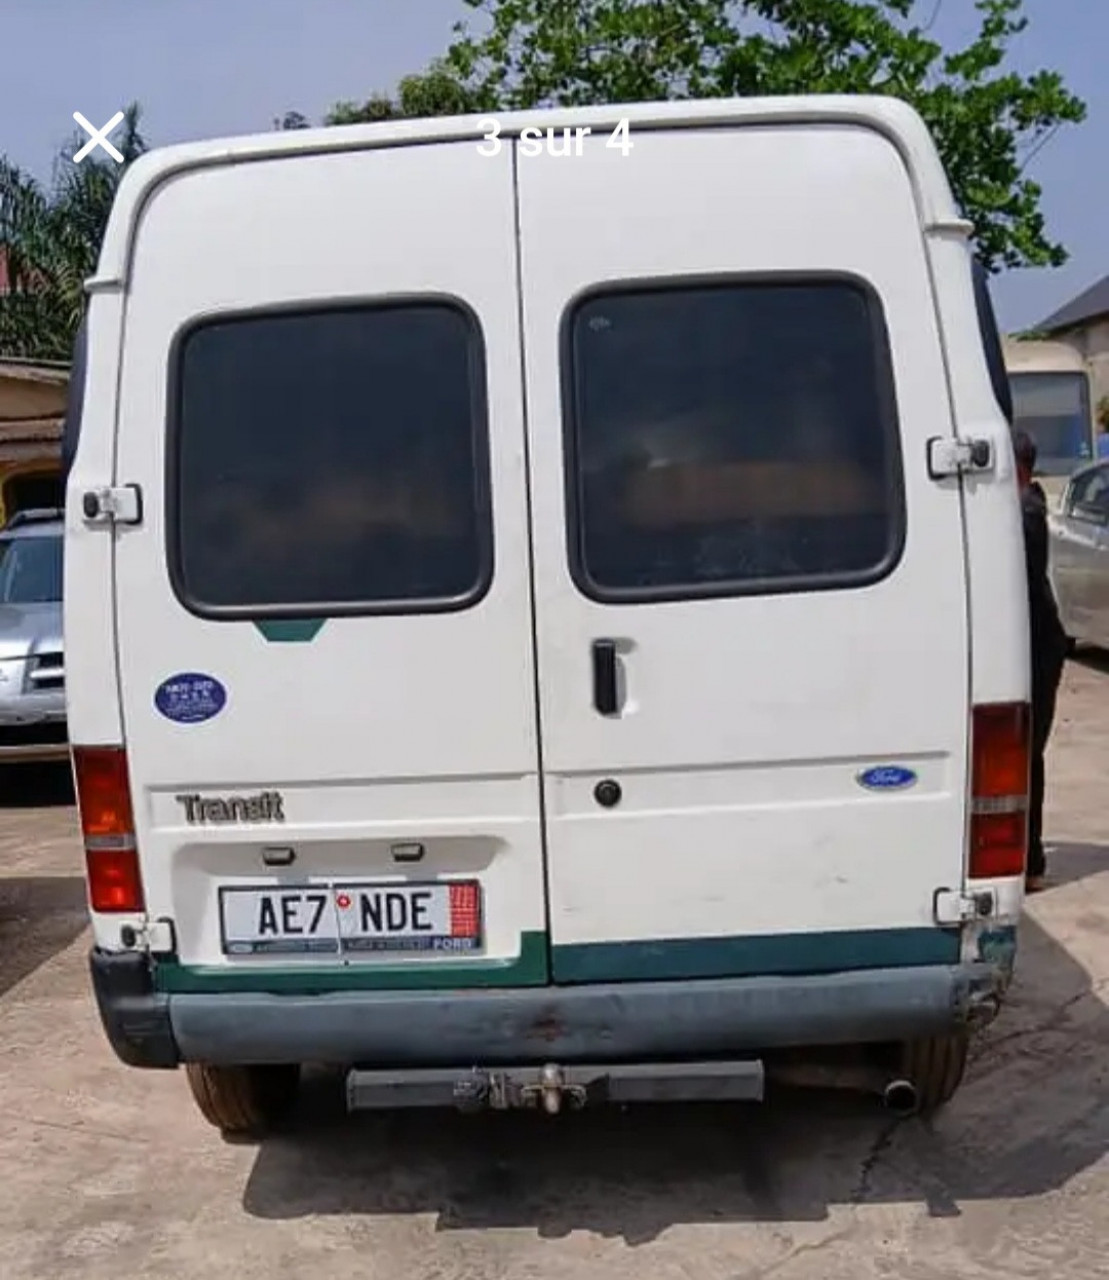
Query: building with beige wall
(32, 409)
(1084, 324)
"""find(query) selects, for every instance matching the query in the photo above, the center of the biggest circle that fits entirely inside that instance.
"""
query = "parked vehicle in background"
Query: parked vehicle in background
(1053, 402)
(1080, 555)
(32, 667)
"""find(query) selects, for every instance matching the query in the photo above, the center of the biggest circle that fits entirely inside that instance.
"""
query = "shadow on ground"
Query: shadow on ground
(1031, 1116)
(1092, 659)
(36, 786)
(39, 916)
(1070, 862)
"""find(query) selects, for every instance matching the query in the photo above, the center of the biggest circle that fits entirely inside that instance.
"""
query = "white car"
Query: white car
(1079, 555)
(32, 664)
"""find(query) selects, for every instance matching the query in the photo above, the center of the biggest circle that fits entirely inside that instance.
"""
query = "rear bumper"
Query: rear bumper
(625, 1022)
(42, 752)
(33, 727)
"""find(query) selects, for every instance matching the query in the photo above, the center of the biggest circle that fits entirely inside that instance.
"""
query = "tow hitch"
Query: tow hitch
(553, 1087)
(500, 1091)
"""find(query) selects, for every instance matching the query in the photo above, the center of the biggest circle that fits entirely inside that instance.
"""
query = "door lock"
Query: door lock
(607, 793)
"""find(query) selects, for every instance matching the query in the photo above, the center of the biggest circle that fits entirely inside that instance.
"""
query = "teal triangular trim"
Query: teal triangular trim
(291, 630)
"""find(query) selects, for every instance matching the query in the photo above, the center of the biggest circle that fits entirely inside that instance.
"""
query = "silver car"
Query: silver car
(32, 667)
(1080, 555)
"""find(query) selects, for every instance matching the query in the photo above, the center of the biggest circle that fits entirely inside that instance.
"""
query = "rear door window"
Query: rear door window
(732, 439)
(331, 461)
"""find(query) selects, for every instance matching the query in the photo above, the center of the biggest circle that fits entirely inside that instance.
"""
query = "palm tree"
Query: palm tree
(50, 238)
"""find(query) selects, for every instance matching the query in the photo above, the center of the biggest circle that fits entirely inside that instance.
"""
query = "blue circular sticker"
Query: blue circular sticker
(189, 698)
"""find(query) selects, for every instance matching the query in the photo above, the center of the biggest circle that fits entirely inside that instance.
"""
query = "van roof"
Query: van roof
(890, 116)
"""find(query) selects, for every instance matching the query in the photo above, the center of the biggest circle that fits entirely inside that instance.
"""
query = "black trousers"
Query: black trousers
(1046, 675)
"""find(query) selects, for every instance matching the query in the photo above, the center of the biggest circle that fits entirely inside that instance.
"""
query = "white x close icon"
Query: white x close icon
(98, 137)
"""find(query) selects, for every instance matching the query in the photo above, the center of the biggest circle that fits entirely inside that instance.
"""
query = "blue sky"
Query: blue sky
(207, 68)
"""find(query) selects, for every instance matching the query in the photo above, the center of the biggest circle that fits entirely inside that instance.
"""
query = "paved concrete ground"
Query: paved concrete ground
(109, 1171)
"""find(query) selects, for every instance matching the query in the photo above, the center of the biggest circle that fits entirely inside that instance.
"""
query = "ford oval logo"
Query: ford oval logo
(887, 777)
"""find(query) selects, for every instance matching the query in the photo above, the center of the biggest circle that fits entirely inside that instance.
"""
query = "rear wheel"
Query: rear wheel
(243, 1100)
(935, 1067)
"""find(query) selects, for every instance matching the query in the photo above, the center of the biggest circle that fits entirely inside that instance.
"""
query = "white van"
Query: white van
(1053, 402)
(547, 627)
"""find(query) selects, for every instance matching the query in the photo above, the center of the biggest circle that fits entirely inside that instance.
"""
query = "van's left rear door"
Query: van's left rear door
(324, 617)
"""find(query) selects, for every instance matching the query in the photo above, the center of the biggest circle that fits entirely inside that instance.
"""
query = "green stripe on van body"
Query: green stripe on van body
(291, 630)
(676, 959)
(529, 969)
(753, 956)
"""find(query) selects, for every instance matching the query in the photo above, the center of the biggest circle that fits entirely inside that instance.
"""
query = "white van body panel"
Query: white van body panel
(997, 587)
(92, 674)
(895, 119)
(744, 842)
(93, 709)
(368, 731)
(748, 719)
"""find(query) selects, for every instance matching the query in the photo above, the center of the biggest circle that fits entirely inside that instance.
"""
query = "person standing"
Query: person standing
(1048, 645)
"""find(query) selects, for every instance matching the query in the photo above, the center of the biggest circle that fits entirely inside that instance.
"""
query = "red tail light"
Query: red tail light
(999, 790)
(111, 856)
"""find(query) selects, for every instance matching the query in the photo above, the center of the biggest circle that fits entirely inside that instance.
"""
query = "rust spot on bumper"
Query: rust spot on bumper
(548, 1028)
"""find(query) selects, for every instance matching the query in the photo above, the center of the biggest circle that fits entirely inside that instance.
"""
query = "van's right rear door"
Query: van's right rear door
(751, 597)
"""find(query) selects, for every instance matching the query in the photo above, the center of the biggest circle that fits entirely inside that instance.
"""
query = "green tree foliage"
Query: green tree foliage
(50, 236)
(437, 92)
(987, 121)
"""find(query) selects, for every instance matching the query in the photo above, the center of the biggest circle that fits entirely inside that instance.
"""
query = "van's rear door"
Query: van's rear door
(324, 616)
(750, 595)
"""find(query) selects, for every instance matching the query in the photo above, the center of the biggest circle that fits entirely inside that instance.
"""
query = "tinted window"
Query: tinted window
(733, 438)
(31, 570)
(331, 462)
(991, 341)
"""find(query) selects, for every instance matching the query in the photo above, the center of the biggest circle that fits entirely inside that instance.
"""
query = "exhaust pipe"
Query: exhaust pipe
(901, 1097)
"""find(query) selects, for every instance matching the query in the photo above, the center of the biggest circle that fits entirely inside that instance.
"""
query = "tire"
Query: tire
(244, 1101)
(936, 1067)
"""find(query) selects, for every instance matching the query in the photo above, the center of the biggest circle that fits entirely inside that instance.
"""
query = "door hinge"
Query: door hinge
(952, 906)
(120, 504)
(157, 937)
(949, 456)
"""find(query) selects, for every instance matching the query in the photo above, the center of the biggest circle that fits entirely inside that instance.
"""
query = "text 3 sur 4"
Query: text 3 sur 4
(552, 141)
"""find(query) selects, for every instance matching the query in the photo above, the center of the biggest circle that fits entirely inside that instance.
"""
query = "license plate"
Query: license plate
(343, 919)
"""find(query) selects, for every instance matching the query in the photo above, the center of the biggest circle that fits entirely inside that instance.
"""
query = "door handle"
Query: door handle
(604, 677)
